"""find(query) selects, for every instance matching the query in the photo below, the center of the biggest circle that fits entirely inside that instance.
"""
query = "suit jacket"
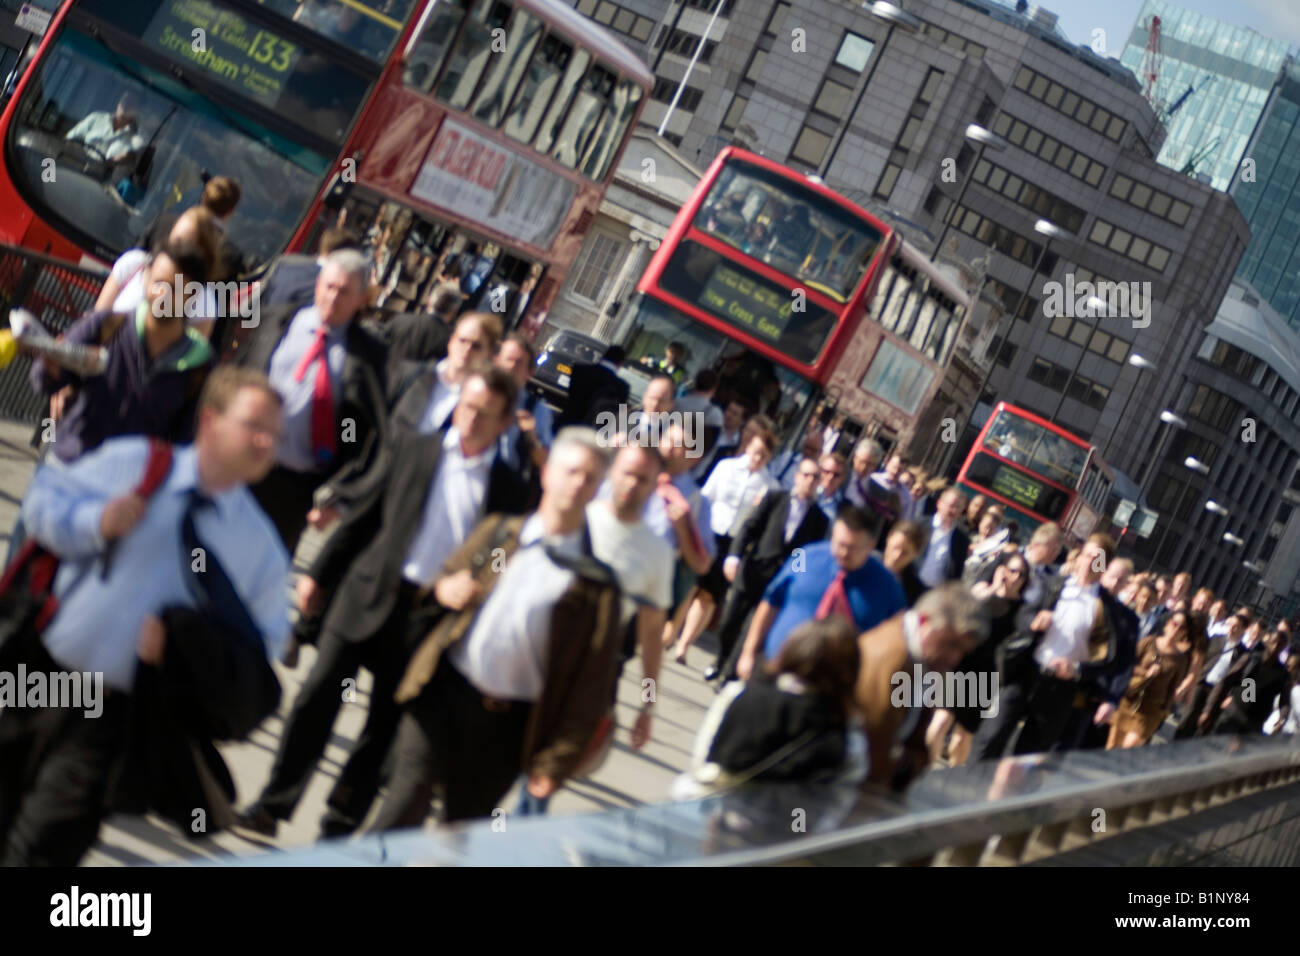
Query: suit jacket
(364, 556)
(884, 653)
(363, 399)
(761, 541)
(958, 550)
(592, 389)
(583, 651)
(415, 337)
(291, 280)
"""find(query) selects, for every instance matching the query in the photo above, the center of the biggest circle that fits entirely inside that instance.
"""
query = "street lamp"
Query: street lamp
(981, 137)
(1192, 464)
(895, 16)
(1050, 231)
(1215, 508)
(1142, 365)
(1233, 540)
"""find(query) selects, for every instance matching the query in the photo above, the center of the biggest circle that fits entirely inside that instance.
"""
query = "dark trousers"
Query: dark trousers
(286, 497)
(1081, 732)
(740, 605)
(996, 731)
(1047, 715)
(454, 736)
(1187, 727)
(307, 730)
(55, 766)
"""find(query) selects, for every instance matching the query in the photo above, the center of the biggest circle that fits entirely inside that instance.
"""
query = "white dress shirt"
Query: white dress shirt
(505, 653)
(798, 511)
(1220, 668)
(454, 505)
(733, 487)
(441, 403)
(1072, 621)
(935, 563)
(98, 623)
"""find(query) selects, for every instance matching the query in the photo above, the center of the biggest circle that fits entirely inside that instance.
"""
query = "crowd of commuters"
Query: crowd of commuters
(493, 566)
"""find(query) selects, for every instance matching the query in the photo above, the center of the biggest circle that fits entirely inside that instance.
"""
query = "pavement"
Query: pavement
(627, 778)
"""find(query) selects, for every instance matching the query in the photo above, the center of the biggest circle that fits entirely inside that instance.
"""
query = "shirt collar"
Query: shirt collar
(533, 532)
(184, 477)
(451, 446)
(912, 634)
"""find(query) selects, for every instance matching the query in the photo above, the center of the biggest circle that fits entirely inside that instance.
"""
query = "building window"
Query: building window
(833, 100)
(854, 52)
(1034, 198)
(605, 13)
(735, 111)
(756, 65)
(931, 86)
(810, 148)
(1002, 239)
(1212, 408)
(1046, 90)
(1124, 243)
(778, 14)
(643, 28)
(887, 180)
(599, 262)
(1049, 150)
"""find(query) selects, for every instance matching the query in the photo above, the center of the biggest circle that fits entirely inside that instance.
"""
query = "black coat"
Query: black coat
(363, 404)
(761, 542)
(291, 280)
(592, 389)
(415, 337)
(212, 685)
(363, 558)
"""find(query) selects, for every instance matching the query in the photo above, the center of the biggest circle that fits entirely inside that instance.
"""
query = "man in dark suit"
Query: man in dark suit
(292, 277)
(1262, 679)
(330, 372)
(782, 521)
(945, 551)
(594, 389)
(379, 566)
(329, 369)
(1088, 727)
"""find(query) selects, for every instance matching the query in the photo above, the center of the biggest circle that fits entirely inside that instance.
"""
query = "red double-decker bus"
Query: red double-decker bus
(496, 140)
(502, 121)
(1038, 471)
(128, 108)
(767, 276)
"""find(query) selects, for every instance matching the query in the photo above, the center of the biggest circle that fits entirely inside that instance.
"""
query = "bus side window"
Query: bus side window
(422, 67)
(540, 82)
(554, 120)
(592, 100)
(472, 54)
(507, 68)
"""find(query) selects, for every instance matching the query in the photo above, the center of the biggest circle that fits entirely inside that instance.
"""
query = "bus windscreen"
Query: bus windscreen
(1034, 447)
(789, 227)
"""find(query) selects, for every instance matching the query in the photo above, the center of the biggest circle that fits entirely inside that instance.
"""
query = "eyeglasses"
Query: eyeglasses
(833, 472)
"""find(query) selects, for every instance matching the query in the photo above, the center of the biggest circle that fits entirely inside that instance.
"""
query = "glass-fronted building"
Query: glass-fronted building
(1267, 191)
(1231, 70)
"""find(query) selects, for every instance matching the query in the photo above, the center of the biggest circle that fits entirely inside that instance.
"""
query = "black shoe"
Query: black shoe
(711, 672)
(258, 820)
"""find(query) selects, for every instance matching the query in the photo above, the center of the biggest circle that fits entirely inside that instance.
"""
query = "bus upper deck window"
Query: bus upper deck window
(425, 62)
(554, 120)
(541, 80)
(605, 143)
(472, 53)
(507, 68)
(593, 99)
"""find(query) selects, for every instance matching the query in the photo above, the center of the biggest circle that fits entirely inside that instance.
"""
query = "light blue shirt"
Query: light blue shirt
(98, 624)
(295, 450)
(543, 431)
(934, 564)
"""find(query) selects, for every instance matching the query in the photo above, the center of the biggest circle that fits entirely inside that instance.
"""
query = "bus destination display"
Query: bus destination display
(741, 300)
(226, 47)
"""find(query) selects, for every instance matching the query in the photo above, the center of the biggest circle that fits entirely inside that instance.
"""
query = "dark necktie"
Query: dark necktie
(207, 580)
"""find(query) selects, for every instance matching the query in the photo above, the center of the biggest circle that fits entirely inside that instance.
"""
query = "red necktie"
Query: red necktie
(322, 399)
(835, 600)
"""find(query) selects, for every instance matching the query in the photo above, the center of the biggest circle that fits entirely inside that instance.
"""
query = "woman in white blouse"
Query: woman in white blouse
(735, 487)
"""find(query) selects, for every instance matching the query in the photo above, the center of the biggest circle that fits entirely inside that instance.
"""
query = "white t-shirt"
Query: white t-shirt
(642, 560)
(132, 273)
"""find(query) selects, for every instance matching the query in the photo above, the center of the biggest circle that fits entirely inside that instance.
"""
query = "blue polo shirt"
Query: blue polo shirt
(874, 593)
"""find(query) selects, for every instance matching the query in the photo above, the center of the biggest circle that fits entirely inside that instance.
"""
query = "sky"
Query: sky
(1279, 19)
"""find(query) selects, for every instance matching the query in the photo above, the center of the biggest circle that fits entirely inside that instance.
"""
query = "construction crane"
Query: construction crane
(1199, 156)
(1187, 93)
(1151, 62)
